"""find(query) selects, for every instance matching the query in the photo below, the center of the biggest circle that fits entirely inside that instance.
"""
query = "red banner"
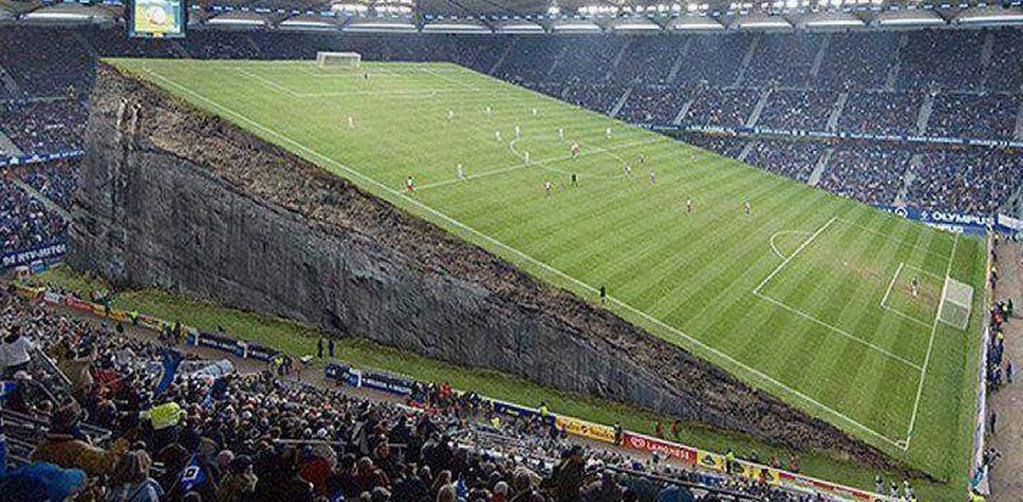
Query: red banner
(648, 444)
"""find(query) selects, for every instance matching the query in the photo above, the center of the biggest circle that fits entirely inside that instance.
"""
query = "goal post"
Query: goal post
(956, 303)
(338, 59)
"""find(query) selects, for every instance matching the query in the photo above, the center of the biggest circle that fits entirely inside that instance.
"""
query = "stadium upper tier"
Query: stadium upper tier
(917, 88)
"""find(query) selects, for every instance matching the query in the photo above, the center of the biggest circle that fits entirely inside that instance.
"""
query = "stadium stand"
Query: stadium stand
(201, 429)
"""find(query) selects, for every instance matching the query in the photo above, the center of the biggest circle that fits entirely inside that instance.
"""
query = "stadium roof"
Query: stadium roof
(564, 16)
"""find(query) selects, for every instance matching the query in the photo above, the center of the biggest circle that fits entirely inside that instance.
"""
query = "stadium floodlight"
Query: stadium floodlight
(338, 59)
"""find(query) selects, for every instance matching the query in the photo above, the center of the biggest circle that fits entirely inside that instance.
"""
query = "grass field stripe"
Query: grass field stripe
(695, 342)
(541, 162)
(891, 285)
(270, 83)
(838, 330)
(930, 344)
(887, 236)
(794, 254)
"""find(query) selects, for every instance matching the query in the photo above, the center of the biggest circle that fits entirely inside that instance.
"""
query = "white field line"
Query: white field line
(781, 233)
(840, 331)
(930, 344)
(887, 236)
(454, 80)
(427, 209)
(891, 285)
(804, 315)
(798, 250)
(540, 163)
(273, 85)
(925, 272)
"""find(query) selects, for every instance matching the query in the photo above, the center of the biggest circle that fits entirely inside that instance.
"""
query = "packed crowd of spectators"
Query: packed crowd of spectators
(966, 180)
(204, 434)
(783, 59)
(724, 145)
(722, 107)
(654, 104)
(56, 180)
(25, 222)
(882, 113)
(1005, 72)
(806, 110)
(989, 116)
(858, 60)
(796, 160)
(960, 60)
(871, 174)
(42, 127)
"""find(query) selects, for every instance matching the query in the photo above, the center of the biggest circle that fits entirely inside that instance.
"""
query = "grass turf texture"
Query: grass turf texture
(787, 298)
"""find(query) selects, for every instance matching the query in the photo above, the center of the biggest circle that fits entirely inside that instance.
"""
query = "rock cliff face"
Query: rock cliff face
(174, 198)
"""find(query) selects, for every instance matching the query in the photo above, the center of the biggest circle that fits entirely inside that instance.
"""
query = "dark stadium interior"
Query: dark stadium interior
(925, 118)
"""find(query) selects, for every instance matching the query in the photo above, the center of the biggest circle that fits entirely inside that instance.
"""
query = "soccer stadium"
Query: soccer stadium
(510, 250)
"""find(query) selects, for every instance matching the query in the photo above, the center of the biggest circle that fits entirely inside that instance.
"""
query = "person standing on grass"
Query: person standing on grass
(330, 347)
(603, 294)
(992, 422)
(319, 348)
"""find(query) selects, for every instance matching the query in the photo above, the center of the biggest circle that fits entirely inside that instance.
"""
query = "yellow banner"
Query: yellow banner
(710, 461)
(587, 430)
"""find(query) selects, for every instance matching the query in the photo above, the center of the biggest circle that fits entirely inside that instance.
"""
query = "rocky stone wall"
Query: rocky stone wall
(174, 198)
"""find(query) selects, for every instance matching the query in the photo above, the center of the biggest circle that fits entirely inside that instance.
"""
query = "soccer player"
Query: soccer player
(914, 286)
(525, 157)
(351, 122)
(518, 132)
(451, 114)
(533, 111)
(548, 187)
(746, 207)
(410, 184)
(628, 170)
(689, 206)
(653, 177)
(461, 173)
(575, 180)
(607, 132)
(497, 134)
(575, 149)
(642, 159)
(488, 111)
(603, 294)
(561, 134)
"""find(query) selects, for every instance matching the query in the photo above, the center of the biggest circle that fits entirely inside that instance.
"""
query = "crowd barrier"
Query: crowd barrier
(37, 257)
(712, 467)
(35, 159)
(709, 465)
(749, 131)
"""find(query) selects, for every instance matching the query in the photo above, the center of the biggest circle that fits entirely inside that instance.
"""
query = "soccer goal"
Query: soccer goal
(338, 59)
(956, 302)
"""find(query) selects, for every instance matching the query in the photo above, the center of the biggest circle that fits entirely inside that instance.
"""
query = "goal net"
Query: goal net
(956, 302)
(338, 59)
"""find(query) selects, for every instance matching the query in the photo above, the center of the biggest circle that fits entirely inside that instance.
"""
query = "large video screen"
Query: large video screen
(157, 19)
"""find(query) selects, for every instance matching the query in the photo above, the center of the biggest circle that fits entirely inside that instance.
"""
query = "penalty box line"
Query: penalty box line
(725, 358)
(930, 343)
(891, 286)
(539, 163)
(808, 317)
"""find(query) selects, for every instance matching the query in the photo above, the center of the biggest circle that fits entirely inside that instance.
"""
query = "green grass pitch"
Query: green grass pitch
(809, 296)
